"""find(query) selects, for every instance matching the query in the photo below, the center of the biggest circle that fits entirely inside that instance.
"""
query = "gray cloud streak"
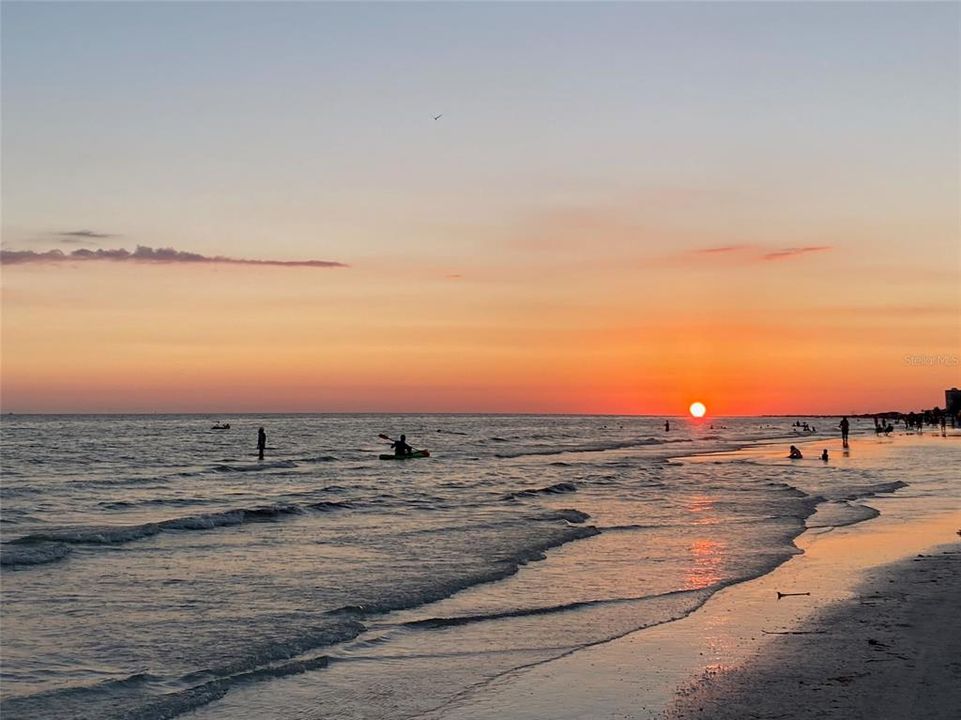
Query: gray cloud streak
(143, 254)
(81, 235)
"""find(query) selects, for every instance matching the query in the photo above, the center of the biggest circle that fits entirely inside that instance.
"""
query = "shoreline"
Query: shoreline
(652, 672)
(854, 659)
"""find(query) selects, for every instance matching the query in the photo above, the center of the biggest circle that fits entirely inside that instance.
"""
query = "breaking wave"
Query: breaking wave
(51, 545)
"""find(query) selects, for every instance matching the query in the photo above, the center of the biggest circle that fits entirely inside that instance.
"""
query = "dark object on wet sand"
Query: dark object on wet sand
(783, 595)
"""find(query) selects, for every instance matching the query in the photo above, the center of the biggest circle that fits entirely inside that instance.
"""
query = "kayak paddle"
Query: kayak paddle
(390, 439)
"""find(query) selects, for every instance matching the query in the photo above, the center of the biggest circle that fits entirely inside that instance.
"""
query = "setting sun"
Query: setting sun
(698, 409)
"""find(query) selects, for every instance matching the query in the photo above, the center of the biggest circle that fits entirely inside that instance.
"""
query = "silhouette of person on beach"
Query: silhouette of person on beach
(401, 447)
(667, 426)
(845, 427)
(261, 443)
(795, 454)
(824, 455)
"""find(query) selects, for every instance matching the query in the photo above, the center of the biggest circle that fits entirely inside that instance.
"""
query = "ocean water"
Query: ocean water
(153, 567)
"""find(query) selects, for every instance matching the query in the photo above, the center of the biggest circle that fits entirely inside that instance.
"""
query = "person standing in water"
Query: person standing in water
(845, 426)
(667, 426)
(261, 443)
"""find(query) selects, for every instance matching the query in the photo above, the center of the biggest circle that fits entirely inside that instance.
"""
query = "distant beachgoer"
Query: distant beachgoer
(401, 447)
(667, 426)
(824, 455)
(944, 424)
(845, 428)
(795, 454)
(261, 443)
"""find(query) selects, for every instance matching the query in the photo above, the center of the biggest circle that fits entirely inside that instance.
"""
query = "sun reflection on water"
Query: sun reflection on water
(701, 507)
(706, 554)
(706, 562)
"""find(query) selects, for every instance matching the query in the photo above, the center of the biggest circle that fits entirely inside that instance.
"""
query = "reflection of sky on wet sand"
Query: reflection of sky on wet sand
(639, 675)
(707, 560)
(706, 554)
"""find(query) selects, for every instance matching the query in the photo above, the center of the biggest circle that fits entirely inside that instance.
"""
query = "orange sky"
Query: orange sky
(643, 337)
(625, 207)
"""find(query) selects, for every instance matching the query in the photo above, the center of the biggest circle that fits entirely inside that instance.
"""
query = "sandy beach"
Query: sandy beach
(862, 624)
(890, 653)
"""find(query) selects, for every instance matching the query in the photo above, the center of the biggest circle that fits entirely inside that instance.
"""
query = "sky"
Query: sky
(622, 208)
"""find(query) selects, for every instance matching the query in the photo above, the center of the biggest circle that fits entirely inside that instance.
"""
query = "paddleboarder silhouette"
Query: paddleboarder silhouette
(261, 443)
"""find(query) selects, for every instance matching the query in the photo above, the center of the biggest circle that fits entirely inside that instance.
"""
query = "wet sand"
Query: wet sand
(874, 633)
(893, 652)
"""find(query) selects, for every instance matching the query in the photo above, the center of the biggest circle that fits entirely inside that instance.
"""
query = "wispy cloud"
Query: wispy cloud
(794, 252)
(149, 255)
(79, 236)
(722, 249)
(754, 253)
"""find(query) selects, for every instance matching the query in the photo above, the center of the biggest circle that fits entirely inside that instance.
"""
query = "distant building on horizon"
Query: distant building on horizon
(952, 402)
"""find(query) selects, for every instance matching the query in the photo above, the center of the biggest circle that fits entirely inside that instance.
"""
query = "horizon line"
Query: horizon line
(8, 413)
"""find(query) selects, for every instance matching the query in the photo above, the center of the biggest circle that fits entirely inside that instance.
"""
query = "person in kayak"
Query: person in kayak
(401, 447)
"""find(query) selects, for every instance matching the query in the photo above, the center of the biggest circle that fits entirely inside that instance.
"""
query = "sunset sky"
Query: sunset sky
(623, 208)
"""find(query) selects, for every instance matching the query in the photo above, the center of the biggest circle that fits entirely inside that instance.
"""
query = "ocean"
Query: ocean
(153, 567)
